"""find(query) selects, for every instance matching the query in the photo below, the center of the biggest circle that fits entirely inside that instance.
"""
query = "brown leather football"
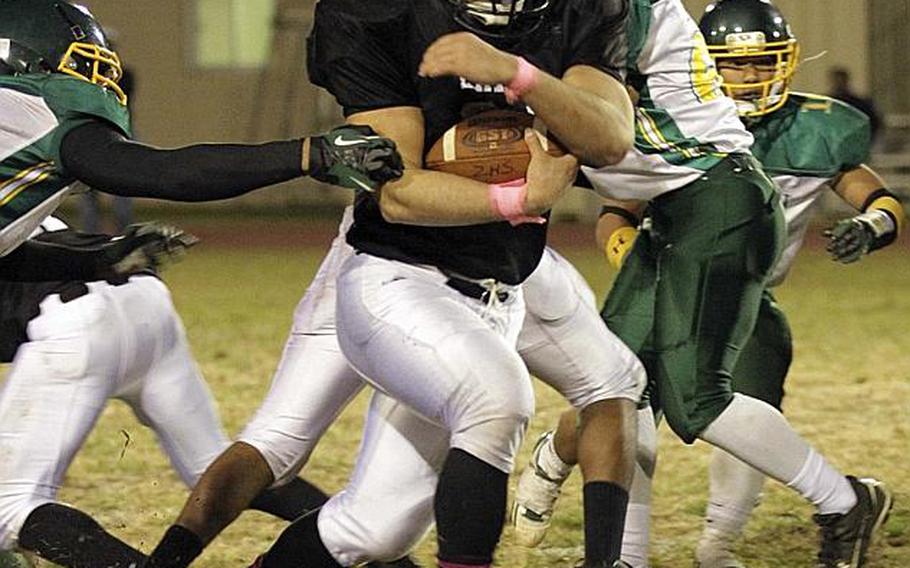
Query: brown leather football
(489, 146)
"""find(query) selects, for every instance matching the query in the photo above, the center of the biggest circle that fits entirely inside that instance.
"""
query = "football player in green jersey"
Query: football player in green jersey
(64, 119)
(692, 286)
(809, 144)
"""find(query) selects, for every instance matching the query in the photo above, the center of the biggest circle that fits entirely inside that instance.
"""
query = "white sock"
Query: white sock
(824, 486)
(735, 490)
(636, 534)
(550, 462)
(756, 433)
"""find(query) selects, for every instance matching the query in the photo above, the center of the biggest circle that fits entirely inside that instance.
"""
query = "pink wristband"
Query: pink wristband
(507, 200)
(523, 81)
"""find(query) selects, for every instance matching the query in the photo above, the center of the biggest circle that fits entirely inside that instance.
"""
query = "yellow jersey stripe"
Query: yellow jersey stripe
(23, 180)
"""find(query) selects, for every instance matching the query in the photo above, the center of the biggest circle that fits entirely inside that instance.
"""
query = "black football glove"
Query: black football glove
(144, 246)
(355, 157)
(853, 238)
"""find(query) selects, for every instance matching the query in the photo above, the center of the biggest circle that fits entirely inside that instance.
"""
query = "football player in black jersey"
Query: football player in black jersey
(429, 309)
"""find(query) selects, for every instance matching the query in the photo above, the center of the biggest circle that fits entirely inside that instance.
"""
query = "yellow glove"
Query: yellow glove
(619, 244)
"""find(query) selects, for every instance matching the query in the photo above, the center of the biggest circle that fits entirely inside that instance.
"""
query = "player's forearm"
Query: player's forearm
(615, 215)
(105, 160)
(596, 128)
(856, 185)
(424, 197)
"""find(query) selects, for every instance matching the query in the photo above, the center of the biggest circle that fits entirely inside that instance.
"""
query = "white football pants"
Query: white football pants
(314, 383)
(124, 342)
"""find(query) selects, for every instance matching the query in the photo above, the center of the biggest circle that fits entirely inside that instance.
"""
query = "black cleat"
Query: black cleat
(845, 538)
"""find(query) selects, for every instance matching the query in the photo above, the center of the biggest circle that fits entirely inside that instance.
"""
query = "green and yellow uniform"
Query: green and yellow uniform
(688, 294)
(805, 146)
(38, 111)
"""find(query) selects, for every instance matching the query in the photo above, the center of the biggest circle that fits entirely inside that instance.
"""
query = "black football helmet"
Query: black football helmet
(752, 31)
(500, 18)
(56, 36)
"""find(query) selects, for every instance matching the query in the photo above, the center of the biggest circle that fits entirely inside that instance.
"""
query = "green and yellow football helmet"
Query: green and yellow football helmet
(54, 36)
(752, 32)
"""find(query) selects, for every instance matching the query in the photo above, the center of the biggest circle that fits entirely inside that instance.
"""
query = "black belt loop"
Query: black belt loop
(73, 292)
(76, 290)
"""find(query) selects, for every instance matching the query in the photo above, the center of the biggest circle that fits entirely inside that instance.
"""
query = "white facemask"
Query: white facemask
(483, 11)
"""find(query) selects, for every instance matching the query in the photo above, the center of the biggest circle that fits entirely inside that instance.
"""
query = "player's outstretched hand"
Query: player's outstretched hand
(144, 246)
(853, 238)
(548, 177)
(355, 157)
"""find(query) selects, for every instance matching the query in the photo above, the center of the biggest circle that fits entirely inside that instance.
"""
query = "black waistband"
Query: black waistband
(474, 290)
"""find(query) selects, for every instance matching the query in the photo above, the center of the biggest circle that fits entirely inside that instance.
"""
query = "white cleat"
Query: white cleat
(535, 499)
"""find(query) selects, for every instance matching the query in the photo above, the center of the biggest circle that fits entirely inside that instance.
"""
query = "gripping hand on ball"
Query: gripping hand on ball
(548, 177)
(355, 157)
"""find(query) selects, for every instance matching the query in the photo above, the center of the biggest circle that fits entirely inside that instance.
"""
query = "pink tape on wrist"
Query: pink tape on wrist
(523, 81)
(508, 201)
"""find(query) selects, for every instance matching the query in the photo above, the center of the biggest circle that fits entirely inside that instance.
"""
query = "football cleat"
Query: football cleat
(716, 551)
(845, 538)
(535, 499)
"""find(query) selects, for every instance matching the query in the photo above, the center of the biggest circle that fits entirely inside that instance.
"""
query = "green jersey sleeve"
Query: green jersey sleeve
(812, 136)
(855, 135)
(75, 103)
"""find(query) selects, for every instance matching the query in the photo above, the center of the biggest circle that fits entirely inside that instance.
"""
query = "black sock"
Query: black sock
(291, 500)
(470, 509)
(605, 516)
(68, 537)
(299, 541)
(177, 549)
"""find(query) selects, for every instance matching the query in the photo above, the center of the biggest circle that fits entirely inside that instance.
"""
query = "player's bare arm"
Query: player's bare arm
(425, 197)
(588, 110)
(856, 185)
(617, 228)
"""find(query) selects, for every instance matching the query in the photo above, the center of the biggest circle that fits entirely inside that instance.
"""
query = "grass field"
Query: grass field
(848, 392)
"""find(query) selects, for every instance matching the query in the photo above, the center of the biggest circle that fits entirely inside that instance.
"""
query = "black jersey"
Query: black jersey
(367, 54)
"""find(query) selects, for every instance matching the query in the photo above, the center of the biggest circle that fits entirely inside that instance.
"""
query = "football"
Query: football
(489, 146)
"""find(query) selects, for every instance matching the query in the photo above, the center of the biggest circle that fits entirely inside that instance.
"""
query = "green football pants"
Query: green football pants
(763, 365)
(689, 291)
